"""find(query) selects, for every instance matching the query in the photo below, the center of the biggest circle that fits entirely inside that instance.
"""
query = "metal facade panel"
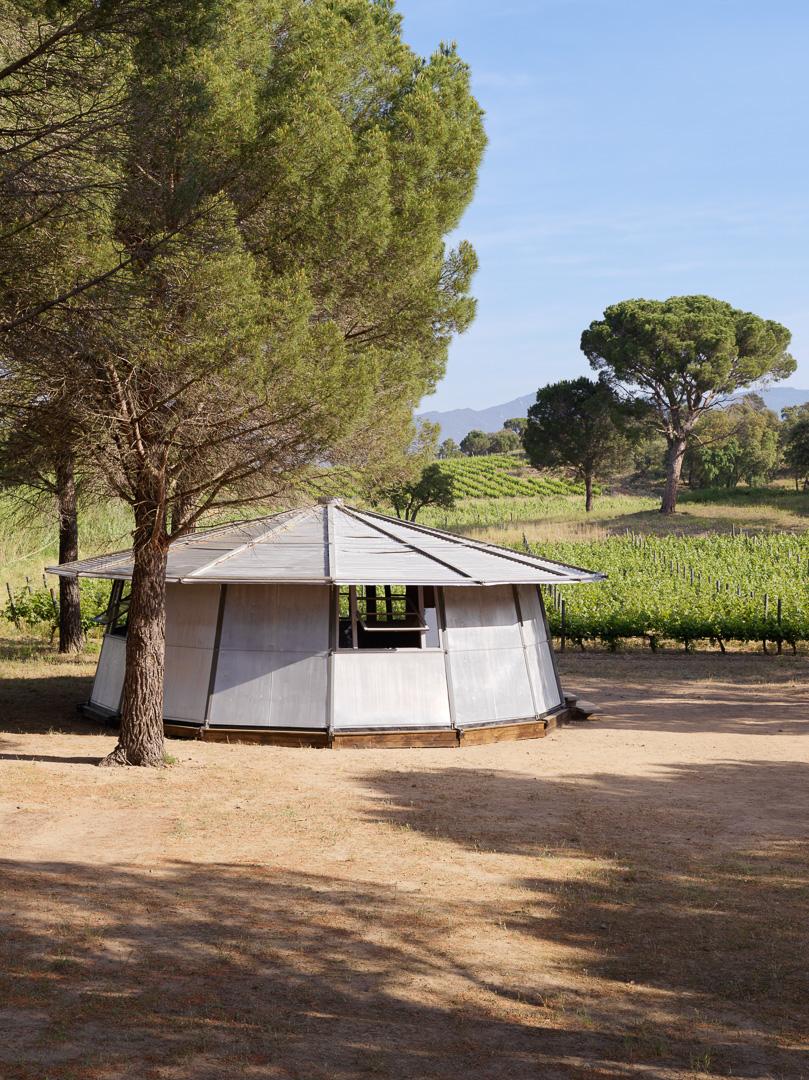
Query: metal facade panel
(109, 677)
(490, 685)
(534, 628)
(292, 618)
(299, 697)
(482, 618)
(390, 690)
(242, 689)
(191, 612)
(270, 689)
(185, 693)
(543, 676)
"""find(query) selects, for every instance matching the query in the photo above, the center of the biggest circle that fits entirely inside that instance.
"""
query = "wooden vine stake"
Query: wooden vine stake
(12, 609)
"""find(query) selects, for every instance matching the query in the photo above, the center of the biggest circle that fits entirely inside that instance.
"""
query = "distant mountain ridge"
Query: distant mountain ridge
(456, 423)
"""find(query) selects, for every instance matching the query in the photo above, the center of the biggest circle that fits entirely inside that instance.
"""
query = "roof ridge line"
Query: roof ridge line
(250, 543)
(189, 538)
(493, 549)
(405, 543)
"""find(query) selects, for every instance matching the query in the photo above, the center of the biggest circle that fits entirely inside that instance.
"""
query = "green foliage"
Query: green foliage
(449, 449)
(683, 356)
(686, 589)
(738, 443)
(478, 443)
(434, 487)
(796, 453)
(517, 424)
(580, 424)
(686, 351)
(475, 443)
(38, 609)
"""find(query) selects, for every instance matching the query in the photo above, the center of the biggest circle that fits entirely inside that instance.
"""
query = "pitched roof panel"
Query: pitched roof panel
(338, 544)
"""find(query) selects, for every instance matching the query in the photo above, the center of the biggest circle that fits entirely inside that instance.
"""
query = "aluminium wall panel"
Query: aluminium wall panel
(291, 618)
(270, 689)
(185, 692)
(191, 615)
(390, 690)
(490, 685)
(273, 657)
(534, 628)
(481, 618)
(299, 690)
(543, 676)
(109, 677)
(242, 689)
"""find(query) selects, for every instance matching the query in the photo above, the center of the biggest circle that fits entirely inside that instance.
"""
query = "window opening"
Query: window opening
(119, 609)
(387, 617)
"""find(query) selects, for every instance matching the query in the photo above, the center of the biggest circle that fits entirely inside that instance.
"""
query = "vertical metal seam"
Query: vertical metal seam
(352, 614)
(441, 615)
(334, 630)
(331, 545)
(551, 651)
(518, 607)
(220, 615)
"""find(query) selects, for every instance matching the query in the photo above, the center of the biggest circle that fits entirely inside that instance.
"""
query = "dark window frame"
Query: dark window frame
(386, 618)
(118, 611)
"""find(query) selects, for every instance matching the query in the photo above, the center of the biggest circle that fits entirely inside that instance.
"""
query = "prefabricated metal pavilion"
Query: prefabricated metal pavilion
(336, 626)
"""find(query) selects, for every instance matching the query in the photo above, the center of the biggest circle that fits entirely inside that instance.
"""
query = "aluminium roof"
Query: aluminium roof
(337, 544)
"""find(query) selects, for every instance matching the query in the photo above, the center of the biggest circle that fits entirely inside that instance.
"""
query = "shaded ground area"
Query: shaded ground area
(626, 898)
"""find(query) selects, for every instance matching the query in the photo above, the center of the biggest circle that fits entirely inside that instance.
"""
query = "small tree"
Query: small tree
(449, 449)
(40, 467)
(434, 487)
(738, 443)
(517, 424)
(796, 455)
(504, 441)
(684, 356)
(476, 443)
(580, 424)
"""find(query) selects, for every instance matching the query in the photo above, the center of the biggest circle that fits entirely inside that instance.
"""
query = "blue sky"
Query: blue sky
(636, 148)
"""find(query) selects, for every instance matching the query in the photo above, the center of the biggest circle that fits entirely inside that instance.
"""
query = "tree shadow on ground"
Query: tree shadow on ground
(38, 701)
(745, 695)
(693, 933)
(213, 971)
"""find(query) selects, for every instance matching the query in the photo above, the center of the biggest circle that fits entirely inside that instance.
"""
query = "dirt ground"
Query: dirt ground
(625, 898)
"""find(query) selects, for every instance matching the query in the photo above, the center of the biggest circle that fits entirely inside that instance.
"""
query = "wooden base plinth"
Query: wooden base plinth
(353, 740)
(392, 739)
(532, 729)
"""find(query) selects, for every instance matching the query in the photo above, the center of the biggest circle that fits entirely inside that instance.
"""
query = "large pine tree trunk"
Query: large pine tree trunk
(674, 467)
(71, 636)
(140, 741)
(588, 491)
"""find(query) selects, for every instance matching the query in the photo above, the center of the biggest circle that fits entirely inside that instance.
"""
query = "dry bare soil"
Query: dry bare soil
(626, 898)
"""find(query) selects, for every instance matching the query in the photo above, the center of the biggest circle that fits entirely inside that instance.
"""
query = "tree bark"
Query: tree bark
(140, 741)
(71, 635)
(588, 491)
(674, 467)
